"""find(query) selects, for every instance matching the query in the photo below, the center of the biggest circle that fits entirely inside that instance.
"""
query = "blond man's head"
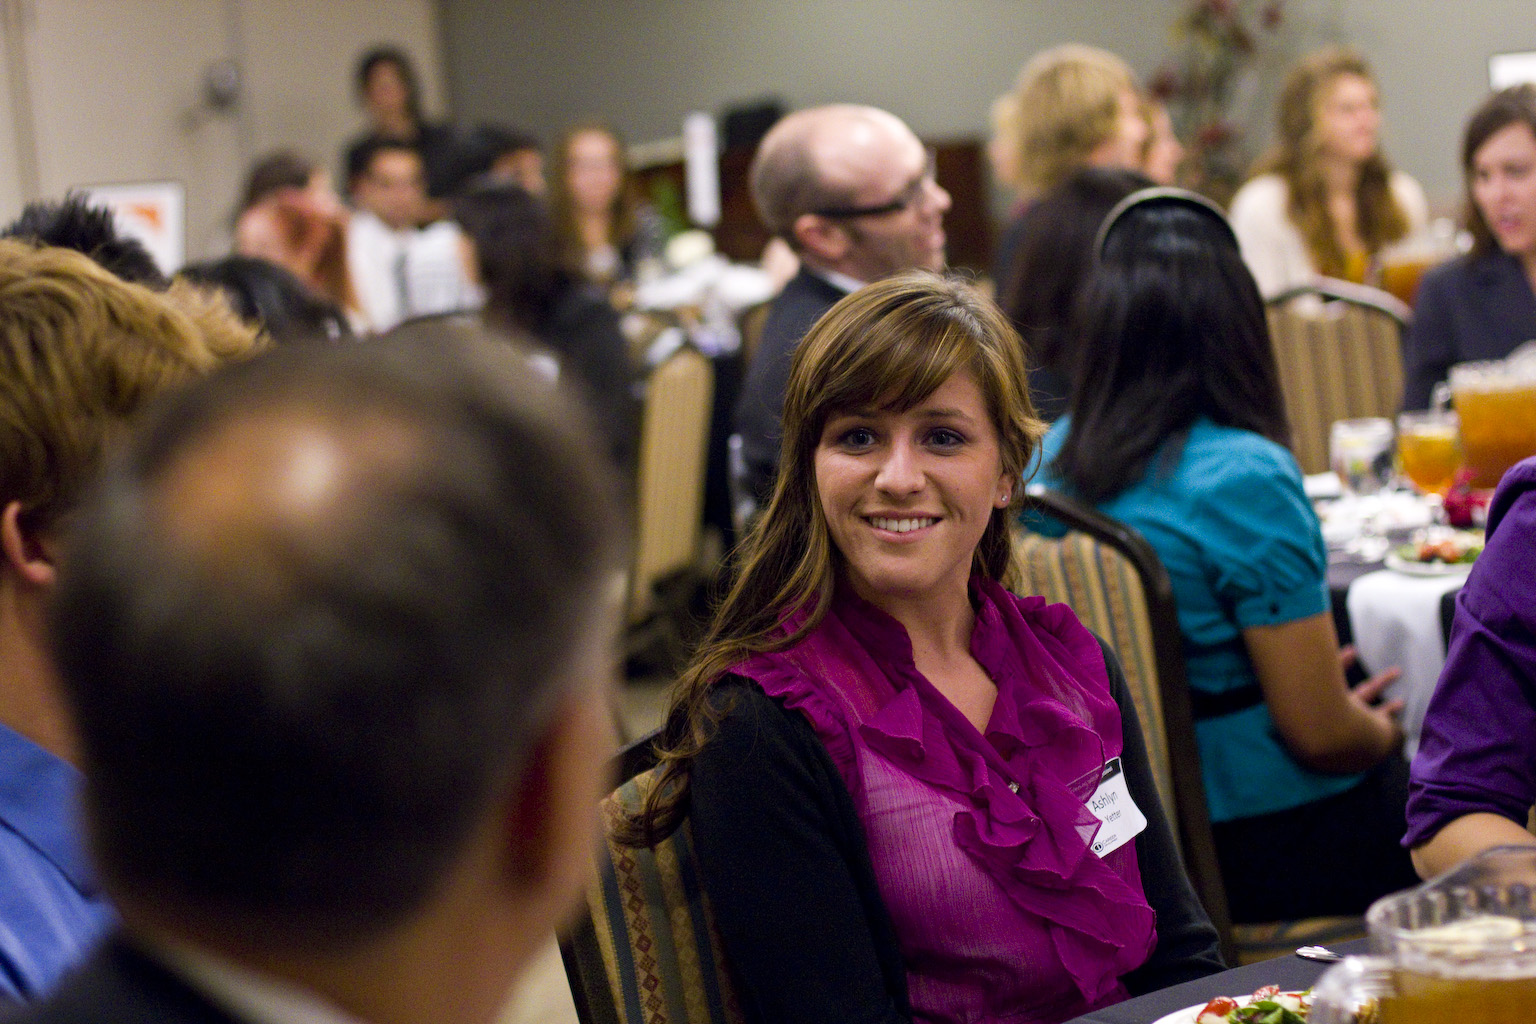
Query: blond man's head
(81, 352)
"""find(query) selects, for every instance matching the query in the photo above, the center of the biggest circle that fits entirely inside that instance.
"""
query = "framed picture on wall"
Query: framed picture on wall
(154, 212)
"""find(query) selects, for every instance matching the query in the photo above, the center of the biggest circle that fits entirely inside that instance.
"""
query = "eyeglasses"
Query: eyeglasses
(907, 198)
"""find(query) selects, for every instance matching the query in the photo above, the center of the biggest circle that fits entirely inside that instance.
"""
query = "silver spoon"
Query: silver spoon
(1322, 954)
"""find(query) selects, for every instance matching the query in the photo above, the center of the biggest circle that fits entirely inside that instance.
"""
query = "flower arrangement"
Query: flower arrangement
(1218, 42)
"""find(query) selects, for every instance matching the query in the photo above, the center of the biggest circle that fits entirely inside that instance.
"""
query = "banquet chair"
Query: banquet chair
(646, 950)
(751, 323)
(1111, 578)
(1339, 350)
(669, 498)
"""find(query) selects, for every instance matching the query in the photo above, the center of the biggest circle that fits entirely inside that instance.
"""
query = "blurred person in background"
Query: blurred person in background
(401, 270)
(530, 293)
(82, 352)
(1073, 106)
(267, 296)
(390, 92)
(1325, 199)
(1055, 239)
(852, 191)
(606, 233)
(493, 153)
(291, 215)
(1176, 426)
(1162, 154)
(73, 223)
(1483, 305)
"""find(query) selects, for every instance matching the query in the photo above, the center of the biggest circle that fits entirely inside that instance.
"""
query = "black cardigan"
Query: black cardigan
(818, 944)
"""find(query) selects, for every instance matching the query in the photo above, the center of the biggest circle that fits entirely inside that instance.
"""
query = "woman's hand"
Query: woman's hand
(1368, 693)
(1325, 725)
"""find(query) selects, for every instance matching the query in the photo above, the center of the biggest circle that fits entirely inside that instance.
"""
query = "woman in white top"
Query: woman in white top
(1325, 202)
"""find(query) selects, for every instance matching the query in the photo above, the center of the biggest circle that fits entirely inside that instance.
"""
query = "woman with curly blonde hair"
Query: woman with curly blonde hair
(1325, 201)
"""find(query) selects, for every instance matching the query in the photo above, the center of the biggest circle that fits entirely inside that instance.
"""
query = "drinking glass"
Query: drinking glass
(1459, 948)
(1360, 452)
(1496, 403)
(1428, 449)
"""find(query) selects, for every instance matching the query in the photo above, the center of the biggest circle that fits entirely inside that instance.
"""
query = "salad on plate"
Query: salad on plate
(1267, 1005)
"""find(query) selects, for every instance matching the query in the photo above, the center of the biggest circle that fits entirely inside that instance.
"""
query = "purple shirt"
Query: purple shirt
(980, 839)
(1478, 751)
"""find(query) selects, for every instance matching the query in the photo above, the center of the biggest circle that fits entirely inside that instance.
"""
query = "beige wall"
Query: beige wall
(938, 63)
(115, 87)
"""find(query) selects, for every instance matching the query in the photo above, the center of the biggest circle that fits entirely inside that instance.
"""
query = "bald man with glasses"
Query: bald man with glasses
(852, 191)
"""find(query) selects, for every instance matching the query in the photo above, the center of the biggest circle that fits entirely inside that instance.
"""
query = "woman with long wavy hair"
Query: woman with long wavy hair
(605, 231)
(1325, 201)
(888, 758)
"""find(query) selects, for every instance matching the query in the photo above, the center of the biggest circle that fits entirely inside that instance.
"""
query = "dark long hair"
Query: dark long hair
(518, 252)
(891, 343)
(1170, 328)
(1515, 105)
(1055, 256)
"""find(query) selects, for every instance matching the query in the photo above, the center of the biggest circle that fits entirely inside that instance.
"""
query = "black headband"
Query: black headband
(1163, 196)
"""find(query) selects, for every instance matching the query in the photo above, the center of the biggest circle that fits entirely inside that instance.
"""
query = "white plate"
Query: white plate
(1398, 563)
(1189, 1013)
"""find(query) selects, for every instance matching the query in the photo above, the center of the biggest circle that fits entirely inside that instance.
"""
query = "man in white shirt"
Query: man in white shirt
(400, 269)
(344, 711)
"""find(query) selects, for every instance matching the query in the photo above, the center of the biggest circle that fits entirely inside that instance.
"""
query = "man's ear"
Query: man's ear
(551, 815)
(827, 241)
(29, 554)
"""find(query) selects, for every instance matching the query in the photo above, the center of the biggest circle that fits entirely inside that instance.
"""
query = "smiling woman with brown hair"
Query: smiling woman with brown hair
(887, 757)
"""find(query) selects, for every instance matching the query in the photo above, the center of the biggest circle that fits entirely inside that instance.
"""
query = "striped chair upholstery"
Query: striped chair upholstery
(1339, 351)
(648, 950)
(669, 492)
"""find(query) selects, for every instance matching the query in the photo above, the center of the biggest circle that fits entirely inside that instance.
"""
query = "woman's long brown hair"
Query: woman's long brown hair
(621, 215)
(1295, 157)
(890, 344)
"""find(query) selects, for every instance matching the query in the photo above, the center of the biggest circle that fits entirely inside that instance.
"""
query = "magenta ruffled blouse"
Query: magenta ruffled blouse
(980, 842)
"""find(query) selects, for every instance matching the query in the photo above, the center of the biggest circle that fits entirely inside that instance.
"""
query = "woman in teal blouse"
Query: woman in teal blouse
(1176, 427)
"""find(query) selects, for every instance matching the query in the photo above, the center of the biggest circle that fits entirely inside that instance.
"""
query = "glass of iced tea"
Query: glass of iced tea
(1428, 449)
(1459, 948)
(1496, 404)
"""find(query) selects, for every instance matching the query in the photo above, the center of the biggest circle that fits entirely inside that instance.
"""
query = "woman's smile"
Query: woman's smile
(908, 494)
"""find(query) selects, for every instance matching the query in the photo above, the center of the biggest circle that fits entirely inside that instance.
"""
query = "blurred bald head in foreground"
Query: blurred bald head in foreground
(343, 712)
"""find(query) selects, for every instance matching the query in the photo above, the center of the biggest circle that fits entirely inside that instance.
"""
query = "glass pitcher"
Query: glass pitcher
(1460, 948)
(1496, 404)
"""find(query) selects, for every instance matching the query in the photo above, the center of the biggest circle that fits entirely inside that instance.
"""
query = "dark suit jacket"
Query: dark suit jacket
(120, 985)
(1470, 308)
(761, 405)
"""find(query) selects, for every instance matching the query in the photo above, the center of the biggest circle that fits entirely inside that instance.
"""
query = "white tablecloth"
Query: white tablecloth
(1396, 621)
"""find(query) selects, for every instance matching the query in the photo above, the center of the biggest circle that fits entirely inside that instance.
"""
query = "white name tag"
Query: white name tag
(1112, 805)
